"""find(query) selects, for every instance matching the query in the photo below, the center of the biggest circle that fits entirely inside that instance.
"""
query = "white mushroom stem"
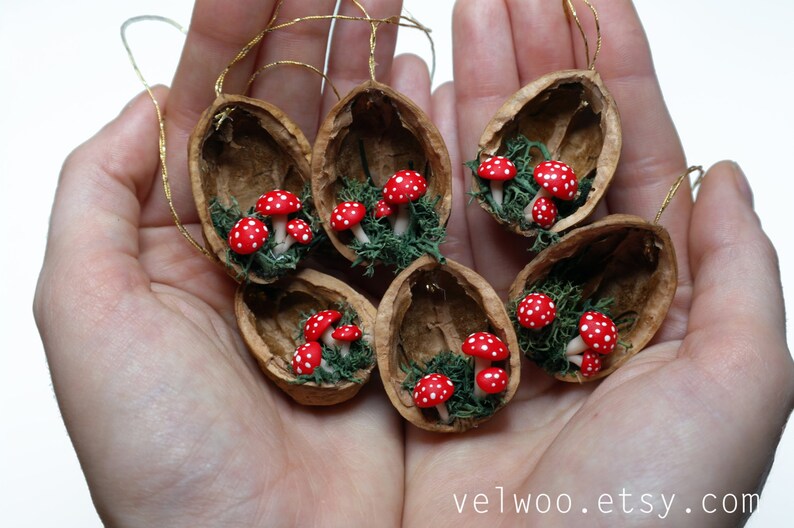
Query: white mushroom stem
(328, 340)
(359, 233)
(576, 360)
(528, 209)
(279, 227)
(443, 413)
(497, 194)
(478, 392)
(344, 348)
(324, 365)
(283, 246)
(576, 346)
(401, 220)
(480, 364)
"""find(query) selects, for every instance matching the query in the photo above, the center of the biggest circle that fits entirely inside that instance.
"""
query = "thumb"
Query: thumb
(737, 322)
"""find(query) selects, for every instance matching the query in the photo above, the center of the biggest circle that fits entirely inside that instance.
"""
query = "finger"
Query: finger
(348, 60)
(737, 300)
(652, 156)
(295, 90)
(541, 38)
(486, 75)
(457, 245)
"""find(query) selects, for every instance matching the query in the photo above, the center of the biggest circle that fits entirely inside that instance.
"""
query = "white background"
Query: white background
(725, 70)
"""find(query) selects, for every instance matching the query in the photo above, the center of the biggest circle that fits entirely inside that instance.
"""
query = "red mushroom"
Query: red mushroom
(544, 212)
(299, 231)
(307, 358)
(492, 380)
(404, 187)
(278, 205)
(346, 335)
(434, 390)
(484, 348)
(497, 169)
(589, 363)
(536, 311)
(384, 210)
(555, 179)
(348, 215)
(596, 332)
(248, 235)
(319, 327)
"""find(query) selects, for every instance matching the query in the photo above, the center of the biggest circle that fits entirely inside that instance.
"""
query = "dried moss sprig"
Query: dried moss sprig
(460, 370)
(547, 346)
(359, 357)
(519, 191)
(264, 262)
(423, 236)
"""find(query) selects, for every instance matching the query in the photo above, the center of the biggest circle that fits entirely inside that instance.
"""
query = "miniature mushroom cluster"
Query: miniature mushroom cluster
(497, 169)
(433, 390)
(598, 335)
(557, 180)
(319, 328)
(486, 348)
(404, 187)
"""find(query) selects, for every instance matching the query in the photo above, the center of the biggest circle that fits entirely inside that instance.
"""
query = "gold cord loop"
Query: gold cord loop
(677, 184)
(570, 11)
(160, 122)
(292, 63)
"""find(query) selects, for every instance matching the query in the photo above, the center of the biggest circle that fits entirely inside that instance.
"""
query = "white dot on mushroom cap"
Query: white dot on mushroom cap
(308, 365)
(498, 162)
(564, 168)
(595, 345)
(607, 338)
(471, 340)
(432, 395)
(484, 347)
(532, 323)
(597, 330)
(493, 173)
(283, 196)
(449, 383)
(305, 237)
(551, 304)
(589, 317)
(546, 185)
(424, 400)
(416, 188)
(239, 246)
(489, 375)
(399, 179)
(300, 370)
(530, 312)
(236, 234)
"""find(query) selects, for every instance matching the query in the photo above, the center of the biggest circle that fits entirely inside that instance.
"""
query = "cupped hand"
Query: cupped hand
(175, 425)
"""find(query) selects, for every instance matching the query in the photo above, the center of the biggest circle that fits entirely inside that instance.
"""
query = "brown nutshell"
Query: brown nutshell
(394, 133)
(269, 318)
(241, 148)
(430, 308)
(574, 115)
(620, 256)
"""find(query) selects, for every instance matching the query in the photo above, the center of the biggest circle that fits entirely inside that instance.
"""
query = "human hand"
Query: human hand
(174, 423)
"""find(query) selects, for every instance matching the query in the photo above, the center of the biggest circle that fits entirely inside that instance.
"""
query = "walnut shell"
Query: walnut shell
(574, 115)
(431, 307)
(269, 318)
(241, 148)
(619, 256)
(394, 132)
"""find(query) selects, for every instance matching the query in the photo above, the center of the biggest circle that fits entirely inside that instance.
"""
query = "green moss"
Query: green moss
(546, 346)
(263, 262)
(460, 370)
(519, 191)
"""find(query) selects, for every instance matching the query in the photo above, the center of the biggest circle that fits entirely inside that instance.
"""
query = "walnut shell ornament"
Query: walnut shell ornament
(240, 149)
(428, 314)
(368, 137)
(272, 319)
(621, 264)
(573, 117)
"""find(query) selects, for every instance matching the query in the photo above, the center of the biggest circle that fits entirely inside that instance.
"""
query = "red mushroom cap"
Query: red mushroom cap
(591, 363)
(383, 209)
(405, 186)
(536, 310)
(278, 202)
(433, 389)
(557, 178)
(300, 231)
(319, 323)
(544, 212)
(598, 332)
(497, 168)
(347, 333)
(307, 358)
(486, 346)
(492, 380)
(248, 235)
(346, 215)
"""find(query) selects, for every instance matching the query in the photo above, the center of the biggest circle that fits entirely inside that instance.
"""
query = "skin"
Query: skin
(174, 424)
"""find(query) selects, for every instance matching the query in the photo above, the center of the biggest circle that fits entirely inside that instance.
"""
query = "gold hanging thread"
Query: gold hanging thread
(292, 63)
(570, 11)
(160, 122)
(677, 184)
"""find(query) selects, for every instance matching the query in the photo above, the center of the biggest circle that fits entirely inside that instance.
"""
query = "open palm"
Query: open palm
(173, 421)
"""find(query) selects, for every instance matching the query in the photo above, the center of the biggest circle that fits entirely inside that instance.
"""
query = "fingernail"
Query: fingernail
(742, 184)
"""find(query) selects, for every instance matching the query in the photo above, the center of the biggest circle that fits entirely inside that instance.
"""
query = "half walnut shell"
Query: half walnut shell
(573, 114)
(393, 134)
(241, 148)
(430, 308)
(270, 316)
(622, 257)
